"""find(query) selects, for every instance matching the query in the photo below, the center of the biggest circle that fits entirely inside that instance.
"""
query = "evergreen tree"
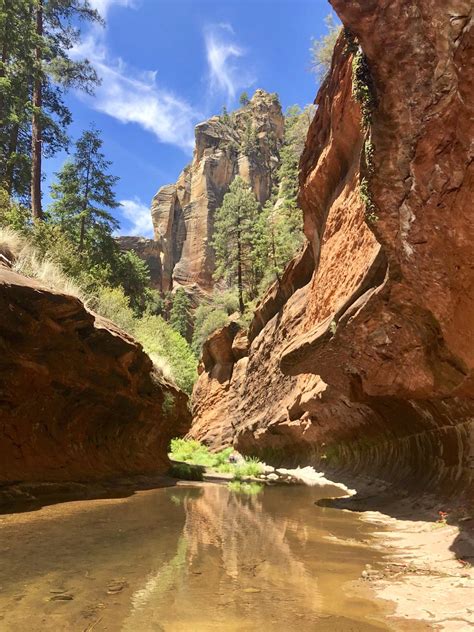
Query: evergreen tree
(53, 70)
(35, 70)
(83, 196)
(180, 311)
(322, 49)
(244, 99)
(234, 233)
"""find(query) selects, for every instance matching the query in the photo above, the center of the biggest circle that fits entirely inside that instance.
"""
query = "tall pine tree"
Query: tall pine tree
(234, 232)
(84, 196)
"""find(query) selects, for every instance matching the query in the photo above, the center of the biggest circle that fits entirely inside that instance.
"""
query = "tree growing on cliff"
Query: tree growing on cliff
(244, 99)
(234, 234)
(322, 49)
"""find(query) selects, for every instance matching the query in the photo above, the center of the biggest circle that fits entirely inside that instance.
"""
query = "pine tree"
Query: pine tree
(53, 71)
(180, 311)
(234, 232)
(35, 70)
(244, 99)
(83, 196)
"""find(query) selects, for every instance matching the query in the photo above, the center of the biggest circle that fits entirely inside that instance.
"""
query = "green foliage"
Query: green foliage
(233, 239)
(362, 87)
(225, 118)
(244, 99)
(159, 338)
(370, 208)
(209, 317)
(83, 196)
(180, 312)
(186, 472)
(322, 49)
(168, 403)
(114, 305)
(36, 70)
(194, 452)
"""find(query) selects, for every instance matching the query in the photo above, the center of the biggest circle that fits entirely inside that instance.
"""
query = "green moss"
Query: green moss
(362, 87)
(370, 208)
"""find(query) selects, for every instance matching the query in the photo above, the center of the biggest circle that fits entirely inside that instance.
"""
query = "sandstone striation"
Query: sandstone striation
(364, 361)
(244, 143)
(79, 398)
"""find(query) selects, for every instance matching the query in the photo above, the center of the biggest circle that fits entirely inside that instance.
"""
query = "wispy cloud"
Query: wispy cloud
(103, 6)
(138, 218)
(134, 96)
(225, 73)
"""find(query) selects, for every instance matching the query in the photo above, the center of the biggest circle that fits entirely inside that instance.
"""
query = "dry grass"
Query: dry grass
(163, 367)
(28, 262)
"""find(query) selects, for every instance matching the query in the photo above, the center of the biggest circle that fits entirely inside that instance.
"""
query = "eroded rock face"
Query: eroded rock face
(79, 399)
(183, 213)
(150, 252)
(367, 364)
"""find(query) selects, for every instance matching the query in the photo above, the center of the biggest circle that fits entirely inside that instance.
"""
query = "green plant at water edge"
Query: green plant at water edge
(240, 487)
(194, 452)
(186, 471)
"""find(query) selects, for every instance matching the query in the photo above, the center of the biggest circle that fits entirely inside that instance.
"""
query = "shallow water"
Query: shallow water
(187, 559)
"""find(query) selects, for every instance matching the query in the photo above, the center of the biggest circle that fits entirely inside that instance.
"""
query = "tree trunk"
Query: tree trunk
(239, 270)
(85, 204)
(36, 208)
(10, 169)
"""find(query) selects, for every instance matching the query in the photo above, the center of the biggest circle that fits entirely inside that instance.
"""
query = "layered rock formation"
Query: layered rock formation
(79, 399)
(244, 143)
(150, 252)
(364, 360)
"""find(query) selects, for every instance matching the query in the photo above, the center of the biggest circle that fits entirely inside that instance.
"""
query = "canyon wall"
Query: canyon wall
(79, 399)
(245, 143)
(361, 358)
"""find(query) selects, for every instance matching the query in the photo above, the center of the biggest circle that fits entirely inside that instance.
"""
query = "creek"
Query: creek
(189, 558)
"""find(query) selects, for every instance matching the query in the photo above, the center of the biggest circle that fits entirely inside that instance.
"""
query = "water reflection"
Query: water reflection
(193, 559)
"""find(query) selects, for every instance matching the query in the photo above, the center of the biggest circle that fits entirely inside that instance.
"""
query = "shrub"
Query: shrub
(159, 338)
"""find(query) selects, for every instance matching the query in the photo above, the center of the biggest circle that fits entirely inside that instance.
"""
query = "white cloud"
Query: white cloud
(225, 75)
(134, 96)
(138, 216)
(103, 6)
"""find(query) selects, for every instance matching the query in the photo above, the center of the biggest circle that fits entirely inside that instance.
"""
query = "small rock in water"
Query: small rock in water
(62, 597)
(272, 477)
(116, 586)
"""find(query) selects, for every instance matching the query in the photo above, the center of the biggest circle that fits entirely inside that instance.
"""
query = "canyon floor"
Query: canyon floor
(195, 556)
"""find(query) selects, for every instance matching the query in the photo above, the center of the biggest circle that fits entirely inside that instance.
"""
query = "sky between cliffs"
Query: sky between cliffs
(168, 64)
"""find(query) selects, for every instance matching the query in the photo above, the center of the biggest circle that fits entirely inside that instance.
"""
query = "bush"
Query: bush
(160, 339)
(207, 320)
(114, 305)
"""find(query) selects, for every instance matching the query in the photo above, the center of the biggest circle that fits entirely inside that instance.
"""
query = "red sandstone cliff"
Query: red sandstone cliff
(363, 356)
(79, 399)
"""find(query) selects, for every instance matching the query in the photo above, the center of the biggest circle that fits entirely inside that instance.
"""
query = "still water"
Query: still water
(188, 559)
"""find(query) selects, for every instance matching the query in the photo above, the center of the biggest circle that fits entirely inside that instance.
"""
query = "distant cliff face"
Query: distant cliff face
(362, 358)
(244, 143)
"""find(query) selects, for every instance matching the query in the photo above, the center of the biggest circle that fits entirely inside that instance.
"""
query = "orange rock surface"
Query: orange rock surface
(362, 359)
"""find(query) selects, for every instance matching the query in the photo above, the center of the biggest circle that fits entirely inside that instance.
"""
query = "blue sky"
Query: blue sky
(168, 64)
